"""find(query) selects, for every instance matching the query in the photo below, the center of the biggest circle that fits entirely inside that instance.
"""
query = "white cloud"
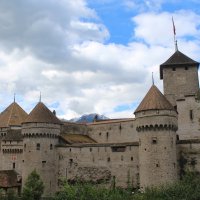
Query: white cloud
(58, 48)
(143, 5)
(156, 28)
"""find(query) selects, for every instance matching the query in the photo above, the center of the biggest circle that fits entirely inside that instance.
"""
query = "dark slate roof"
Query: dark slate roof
(9, 179)
(13, 115)
(41, 114)
(178, 59)
(77, 138)
(13, 135)
(154, 100)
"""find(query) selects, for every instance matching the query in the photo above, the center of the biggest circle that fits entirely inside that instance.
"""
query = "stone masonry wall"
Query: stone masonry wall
(188, 156)
(100, 164)
(180, 82)
(188, 118)
(113, 132)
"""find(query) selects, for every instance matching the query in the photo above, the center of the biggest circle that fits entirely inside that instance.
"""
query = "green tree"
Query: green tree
(34, 187)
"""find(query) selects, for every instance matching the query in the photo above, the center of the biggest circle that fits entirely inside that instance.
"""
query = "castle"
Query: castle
(156, 147)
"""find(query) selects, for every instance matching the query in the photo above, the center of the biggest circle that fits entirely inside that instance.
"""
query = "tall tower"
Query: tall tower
(180, 77)
(41, 130)
(156, 122)
(11, 147)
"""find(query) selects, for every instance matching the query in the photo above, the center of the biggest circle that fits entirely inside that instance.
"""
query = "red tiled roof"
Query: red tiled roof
(154, 100)
(13, 115)
(41, 114)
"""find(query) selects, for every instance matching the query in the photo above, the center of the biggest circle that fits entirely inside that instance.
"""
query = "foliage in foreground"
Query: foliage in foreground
(33, 188)
(186, 189)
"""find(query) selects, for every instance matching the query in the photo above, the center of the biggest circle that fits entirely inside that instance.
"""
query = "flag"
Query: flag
(174, 29)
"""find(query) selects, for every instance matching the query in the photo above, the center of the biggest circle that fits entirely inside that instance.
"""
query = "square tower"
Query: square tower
(180, 77)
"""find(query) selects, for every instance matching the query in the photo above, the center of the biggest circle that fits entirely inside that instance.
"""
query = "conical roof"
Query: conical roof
(154, 100)
(178, 59)
(13, 115)
(41, 114)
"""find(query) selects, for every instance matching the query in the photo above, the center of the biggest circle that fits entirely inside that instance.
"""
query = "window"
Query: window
(174, 69)
(108, 159)
(70, 162)
(131, 158)
(43, 163)
(186, 68)
(107, 134)
(177, 137)
(13, 165)
(51, 146)
(191, 114)
(38, 146)
(100, 134)
(154, 140)
(118, 149)
(90, 149)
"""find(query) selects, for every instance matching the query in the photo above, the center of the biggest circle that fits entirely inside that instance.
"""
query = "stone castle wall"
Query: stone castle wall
(113, 131)
(100, 163)
(74, 128)
(188, 156)
(188, 118)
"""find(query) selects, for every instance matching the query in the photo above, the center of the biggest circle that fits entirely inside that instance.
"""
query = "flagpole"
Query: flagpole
(175, 40)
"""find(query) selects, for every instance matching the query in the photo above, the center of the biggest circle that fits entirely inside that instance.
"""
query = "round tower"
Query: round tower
(40, 131)
(156, 122)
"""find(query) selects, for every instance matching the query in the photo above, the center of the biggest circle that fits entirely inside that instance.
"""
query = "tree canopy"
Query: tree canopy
(34, 187)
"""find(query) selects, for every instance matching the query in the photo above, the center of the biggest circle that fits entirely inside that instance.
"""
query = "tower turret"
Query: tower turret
(41, 130)
(156, 122)
(180, 77)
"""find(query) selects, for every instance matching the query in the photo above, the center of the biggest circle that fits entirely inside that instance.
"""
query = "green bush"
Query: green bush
(90, 192)
(186, 189)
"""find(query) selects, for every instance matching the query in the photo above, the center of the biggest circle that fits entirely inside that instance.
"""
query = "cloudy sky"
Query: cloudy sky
(89, 56)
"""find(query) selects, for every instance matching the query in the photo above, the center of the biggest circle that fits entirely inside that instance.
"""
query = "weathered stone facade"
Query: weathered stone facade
(158, 146)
